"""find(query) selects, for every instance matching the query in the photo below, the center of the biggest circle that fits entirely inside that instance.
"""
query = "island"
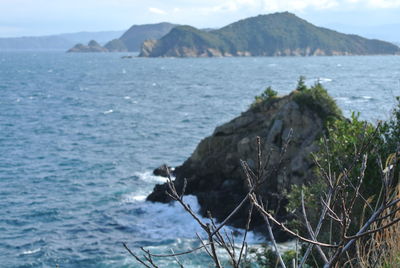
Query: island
(92, 46)
(278, 34)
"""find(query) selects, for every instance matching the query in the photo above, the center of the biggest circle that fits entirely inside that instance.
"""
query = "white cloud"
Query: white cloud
(383, 3)
(157, 11)
(298, 5)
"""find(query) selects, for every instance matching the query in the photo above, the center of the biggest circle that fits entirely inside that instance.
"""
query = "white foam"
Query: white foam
(149, 177)
(108, 112)
(323, 80)
(134, 198)
(367, 97)
(28, 252)
(127, 97)
(159, 221)
(171, 221)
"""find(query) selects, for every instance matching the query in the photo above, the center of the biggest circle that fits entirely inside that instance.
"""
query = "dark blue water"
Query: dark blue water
(80, 134)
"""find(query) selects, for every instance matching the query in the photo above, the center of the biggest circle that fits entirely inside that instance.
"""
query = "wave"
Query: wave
(148, 176)
(29, 252)
(355, 99)
(108, 111)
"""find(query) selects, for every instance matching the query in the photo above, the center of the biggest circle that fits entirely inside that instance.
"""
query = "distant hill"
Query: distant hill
(278, 34)
(132, 39)
(56, 42)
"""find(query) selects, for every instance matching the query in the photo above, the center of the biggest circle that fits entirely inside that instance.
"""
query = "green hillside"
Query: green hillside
(278, 34)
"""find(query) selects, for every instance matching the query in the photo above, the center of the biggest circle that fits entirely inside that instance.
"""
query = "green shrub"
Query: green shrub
(267, 95)
(318, 100)
(301, 85)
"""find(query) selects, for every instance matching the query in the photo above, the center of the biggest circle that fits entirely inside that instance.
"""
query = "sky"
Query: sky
(45, 17)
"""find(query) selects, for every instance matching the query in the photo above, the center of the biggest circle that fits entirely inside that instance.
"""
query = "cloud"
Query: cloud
(157, 11)
(384, 4)
(231, 6)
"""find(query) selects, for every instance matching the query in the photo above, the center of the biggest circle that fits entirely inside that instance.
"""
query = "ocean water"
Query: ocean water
(81, 133)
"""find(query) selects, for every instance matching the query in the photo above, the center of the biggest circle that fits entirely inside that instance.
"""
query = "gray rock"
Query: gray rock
(214, 173)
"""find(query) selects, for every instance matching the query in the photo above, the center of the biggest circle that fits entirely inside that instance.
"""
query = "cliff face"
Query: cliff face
(213, 171)
(279, 34)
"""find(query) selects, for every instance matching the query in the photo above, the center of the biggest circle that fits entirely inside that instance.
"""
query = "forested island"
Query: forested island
(278, 34)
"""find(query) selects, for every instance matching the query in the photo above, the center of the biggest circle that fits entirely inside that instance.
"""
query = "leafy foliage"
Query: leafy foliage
(267, 95)
(301, 85)
(317, 99)
(343, 143)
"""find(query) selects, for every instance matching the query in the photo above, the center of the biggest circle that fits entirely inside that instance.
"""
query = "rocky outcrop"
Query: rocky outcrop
(213, 171)
(92, 46)
(147, 48)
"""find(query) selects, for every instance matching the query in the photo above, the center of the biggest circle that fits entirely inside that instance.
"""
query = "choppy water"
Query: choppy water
(80, 134)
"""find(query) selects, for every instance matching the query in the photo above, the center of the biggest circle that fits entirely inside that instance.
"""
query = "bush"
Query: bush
(301, 85)
(267, 95)
(318, 100)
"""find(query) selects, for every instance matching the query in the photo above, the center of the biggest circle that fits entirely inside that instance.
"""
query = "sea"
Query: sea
(81, 133)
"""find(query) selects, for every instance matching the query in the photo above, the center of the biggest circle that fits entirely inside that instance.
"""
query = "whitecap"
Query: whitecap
(148, 176)
(28, 252)
(342, 98)
(323, 80)
(127, 97)
(108, 112)
(134, 198)
(367, 97)
(18, 100)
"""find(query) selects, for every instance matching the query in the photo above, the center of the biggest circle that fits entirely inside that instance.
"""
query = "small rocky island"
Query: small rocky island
(278, 34)
(92, 46)
(213, 171)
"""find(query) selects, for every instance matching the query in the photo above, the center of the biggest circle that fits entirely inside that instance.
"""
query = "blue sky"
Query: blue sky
(43, 17)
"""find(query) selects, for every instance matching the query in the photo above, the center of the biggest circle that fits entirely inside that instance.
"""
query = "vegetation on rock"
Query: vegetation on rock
(267, 95)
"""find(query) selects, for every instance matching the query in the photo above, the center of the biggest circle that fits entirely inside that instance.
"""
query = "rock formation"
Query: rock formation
(92, 46)
(213, 171)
